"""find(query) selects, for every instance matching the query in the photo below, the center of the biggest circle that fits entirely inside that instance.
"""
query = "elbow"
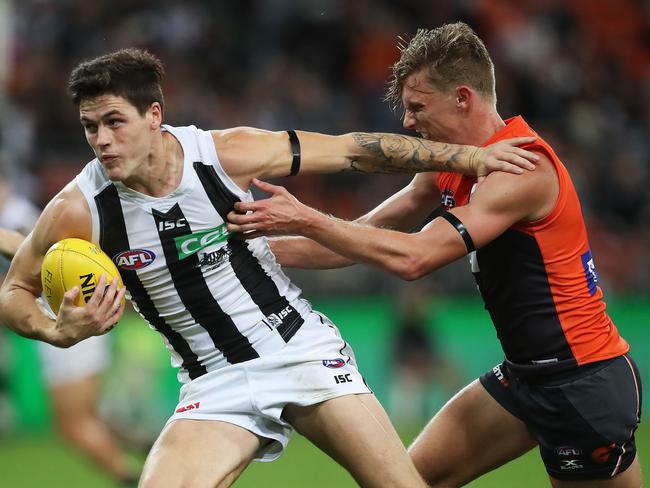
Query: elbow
(62, 343)
(412, 268)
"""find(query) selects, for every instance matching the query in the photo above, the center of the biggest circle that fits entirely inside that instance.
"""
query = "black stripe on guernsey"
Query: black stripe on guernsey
(259, 285)
(517, 294)
(114, 239)
(195, 293)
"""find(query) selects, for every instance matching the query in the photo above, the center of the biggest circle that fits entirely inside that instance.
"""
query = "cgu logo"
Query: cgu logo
(193, 243)
(134, 258)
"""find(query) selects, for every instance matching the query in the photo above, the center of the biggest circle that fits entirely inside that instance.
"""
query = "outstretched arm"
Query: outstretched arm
(497, 204)
(403, 211)
(247, 153)
(300, 252)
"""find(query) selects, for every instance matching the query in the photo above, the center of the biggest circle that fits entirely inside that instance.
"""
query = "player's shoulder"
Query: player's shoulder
(66, 215)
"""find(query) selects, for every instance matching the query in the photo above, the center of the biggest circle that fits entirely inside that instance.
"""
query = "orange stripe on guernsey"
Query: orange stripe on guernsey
(543, 292)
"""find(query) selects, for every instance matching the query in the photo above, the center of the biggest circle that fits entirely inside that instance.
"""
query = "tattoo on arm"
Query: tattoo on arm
(392, 153)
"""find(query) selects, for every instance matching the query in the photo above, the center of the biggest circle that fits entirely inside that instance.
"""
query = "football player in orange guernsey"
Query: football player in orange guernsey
(568, 384)
(254, 359)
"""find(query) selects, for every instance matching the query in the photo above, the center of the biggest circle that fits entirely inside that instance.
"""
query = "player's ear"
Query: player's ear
(464, 95)
(154, 113)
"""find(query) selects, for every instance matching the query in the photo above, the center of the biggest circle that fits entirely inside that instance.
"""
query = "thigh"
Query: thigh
(471, 435)
(356, 432)
(199, 453)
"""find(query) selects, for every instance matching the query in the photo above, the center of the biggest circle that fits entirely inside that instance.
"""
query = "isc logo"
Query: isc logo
(164, 225)
(343, 378)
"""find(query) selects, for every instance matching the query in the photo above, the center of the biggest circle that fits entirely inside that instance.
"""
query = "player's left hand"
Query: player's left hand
(280, 214)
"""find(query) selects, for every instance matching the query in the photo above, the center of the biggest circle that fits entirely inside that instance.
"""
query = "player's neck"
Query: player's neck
(485, 124)
(161, 172)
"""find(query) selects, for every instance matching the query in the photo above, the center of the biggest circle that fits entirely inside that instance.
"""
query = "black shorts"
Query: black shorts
(584, 419)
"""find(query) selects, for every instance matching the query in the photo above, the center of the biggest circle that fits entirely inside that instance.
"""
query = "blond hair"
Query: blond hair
(451, 55)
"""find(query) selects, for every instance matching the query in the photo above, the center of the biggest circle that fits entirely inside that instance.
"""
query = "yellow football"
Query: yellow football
(75, 262)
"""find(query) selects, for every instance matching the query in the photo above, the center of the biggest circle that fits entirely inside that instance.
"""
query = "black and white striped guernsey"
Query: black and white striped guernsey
(216, 300)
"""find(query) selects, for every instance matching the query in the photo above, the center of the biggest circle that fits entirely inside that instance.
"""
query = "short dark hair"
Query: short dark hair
(450, 54)
(133, 74)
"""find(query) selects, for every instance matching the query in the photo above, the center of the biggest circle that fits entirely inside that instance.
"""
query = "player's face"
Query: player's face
(431, 113)
(118, 134)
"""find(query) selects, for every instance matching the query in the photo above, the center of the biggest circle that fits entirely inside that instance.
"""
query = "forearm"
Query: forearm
(9, 242)
(21, 313)
(300, 252)
(393, 153)
(393, 251)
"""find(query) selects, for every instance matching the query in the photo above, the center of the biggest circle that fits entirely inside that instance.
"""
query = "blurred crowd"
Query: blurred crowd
(578, 70)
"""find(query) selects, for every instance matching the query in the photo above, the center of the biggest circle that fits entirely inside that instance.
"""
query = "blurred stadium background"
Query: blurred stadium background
(578, 70)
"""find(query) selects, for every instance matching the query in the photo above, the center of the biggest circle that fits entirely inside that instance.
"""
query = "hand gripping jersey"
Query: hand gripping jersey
(216, 300)
(538, 279)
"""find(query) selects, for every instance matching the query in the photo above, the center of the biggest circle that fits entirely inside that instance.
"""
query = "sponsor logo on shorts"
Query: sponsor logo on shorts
(193, 243)
(569, 464)
(601, 455)
(333, 363)
(500, 376)
(186, 408)
(568, 451)
(134, 258)
(447, 199)
(590, 271)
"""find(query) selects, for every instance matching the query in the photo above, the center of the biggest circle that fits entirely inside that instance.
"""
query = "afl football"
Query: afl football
(75, 262)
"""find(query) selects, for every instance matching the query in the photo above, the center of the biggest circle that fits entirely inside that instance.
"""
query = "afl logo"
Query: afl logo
(134, 259)
(333, 363)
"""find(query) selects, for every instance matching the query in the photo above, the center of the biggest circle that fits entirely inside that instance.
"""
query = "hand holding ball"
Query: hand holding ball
(75, 262)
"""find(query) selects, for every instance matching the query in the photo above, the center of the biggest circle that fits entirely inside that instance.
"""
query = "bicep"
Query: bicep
(503, 200)
(246, 153)
(67, 215)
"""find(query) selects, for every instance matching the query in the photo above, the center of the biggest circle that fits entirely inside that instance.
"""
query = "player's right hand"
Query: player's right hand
(98, 316)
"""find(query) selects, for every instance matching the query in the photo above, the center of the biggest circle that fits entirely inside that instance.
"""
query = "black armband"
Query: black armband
(295, 150)
(462, 230)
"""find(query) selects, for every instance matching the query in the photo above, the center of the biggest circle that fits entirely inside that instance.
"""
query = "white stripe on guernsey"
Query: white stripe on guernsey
(224, 285)
(262, 252)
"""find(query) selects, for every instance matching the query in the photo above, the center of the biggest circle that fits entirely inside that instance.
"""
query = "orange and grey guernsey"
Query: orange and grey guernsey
(538, 279)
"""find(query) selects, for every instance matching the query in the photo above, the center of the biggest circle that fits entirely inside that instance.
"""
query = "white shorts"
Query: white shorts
(86, 358)
(315, 365)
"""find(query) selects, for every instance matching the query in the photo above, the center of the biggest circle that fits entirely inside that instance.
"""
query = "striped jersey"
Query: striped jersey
(215, 300)
(538, 279)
